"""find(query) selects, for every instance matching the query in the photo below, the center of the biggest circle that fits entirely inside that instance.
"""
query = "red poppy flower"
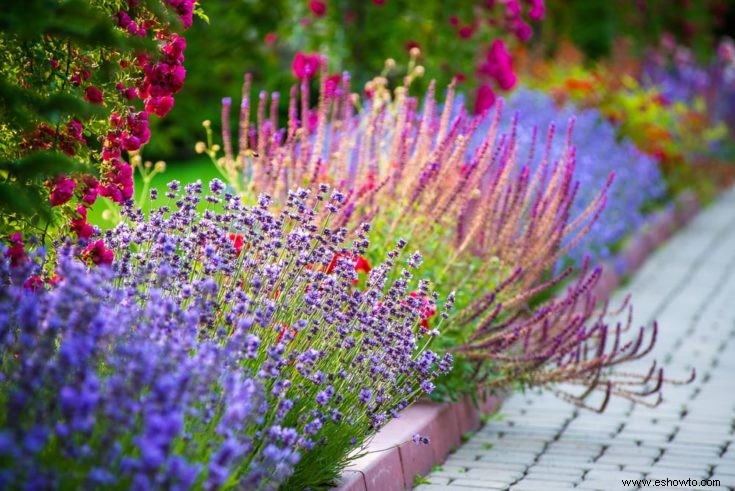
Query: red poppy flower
(237, 241)
(428, 308)
(360, 263)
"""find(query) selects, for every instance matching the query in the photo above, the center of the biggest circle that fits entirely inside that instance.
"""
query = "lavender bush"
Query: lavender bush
(220, 349)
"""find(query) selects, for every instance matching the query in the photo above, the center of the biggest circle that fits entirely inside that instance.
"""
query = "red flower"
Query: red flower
(93, 94)
(428, 308)
(97, 253)
(16, 252)
(237, 241)
(34, 283)
(305, 65)
(270, 38)
(484, 99)
(466, 32)
(63, 190)
(318, 7)
(360, 263)
(283, 331)
(379, 2)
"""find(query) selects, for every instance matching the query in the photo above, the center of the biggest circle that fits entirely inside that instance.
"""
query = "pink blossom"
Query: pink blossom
(318, 7)
(185, 9)
(333, 86)
(305, 65)
(93, 94)
(537, 10)
(160, 106)
(89, 191)
(466, 32)
(523, 31)
(80, 226)
(97, 253)
(484, 99)
(118, 184)
(75, 128)
(63, 190)
(16, 252)
(270, 38)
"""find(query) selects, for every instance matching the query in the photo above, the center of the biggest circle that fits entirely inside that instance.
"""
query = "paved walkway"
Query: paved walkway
(542, 443)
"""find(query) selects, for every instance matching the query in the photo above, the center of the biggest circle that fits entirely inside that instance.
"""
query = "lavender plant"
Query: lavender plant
(491, 217)
(274, 365)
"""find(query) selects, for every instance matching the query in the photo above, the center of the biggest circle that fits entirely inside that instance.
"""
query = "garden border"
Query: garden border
(394, 459)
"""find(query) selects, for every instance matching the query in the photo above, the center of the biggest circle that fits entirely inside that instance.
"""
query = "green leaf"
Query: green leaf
(41, 165)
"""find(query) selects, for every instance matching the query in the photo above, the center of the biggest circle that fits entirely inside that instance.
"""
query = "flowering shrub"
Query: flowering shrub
(491, 226)
(203, 362)
(69, 99)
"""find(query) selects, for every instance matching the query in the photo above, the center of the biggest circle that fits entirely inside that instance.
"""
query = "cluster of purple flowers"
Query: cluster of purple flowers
(677, 75)
(101, 388)
(189, 360)
(598, 153)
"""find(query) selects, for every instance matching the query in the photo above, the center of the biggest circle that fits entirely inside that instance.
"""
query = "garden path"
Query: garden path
(542, 443)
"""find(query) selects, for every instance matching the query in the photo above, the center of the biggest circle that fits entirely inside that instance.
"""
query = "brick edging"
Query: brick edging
(395, 460)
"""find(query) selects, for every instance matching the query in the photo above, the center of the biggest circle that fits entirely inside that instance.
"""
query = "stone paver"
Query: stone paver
(688, 285)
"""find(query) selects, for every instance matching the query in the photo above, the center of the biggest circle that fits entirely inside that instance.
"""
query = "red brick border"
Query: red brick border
(394, 460)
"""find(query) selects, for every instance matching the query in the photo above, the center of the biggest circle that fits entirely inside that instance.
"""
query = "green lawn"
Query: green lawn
(184, 172)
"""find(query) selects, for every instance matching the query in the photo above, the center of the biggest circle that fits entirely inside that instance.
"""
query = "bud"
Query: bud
(206, 123)
(200, 147)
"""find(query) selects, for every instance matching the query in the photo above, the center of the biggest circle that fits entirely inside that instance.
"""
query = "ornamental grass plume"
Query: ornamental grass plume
(208, 364)
(492, 214)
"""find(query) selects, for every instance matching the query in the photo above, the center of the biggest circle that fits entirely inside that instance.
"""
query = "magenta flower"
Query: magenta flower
(185, 10)
(16, 252)
(63, 190)
(333, 86)
(484, 99)
(97, 253)
(305, 65)
(318, 7)
(499, 65)
(523, 31)
(80, 226)
(160, 106)
(93, 94)
(537, 10)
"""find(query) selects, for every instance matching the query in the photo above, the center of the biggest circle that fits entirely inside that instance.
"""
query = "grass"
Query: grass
(185, 172)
